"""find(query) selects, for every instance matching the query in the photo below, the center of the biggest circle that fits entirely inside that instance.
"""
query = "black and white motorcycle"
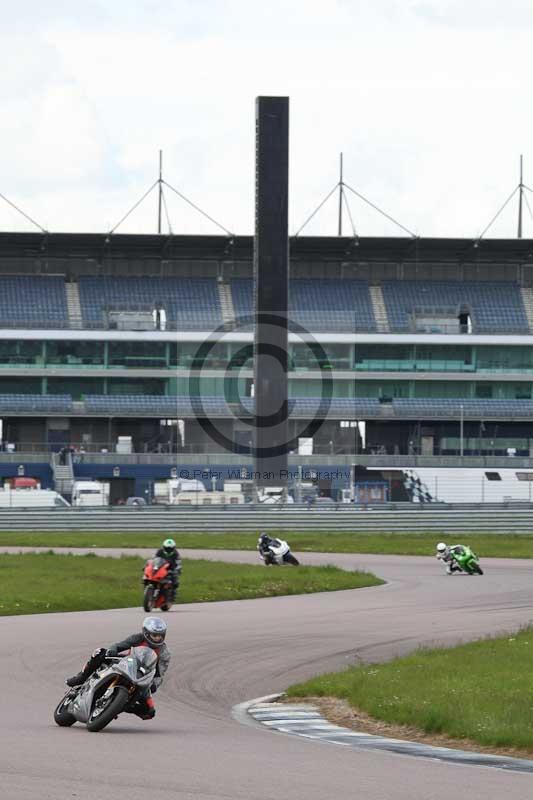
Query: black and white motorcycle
(275, 552)
(116, 686)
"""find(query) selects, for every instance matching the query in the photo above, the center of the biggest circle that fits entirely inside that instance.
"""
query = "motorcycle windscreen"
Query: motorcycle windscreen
(146, 663)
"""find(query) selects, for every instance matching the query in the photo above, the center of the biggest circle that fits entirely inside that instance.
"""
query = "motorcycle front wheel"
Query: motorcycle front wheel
(148, 600)
(106, 710)
(62, 716)
(477, 568)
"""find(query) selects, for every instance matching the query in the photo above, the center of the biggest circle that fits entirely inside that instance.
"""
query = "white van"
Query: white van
(165, 492)
(90, 493)
(209, 499)
(34, 498)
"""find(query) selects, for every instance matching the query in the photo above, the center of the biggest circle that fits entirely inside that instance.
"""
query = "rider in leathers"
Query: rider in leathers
(153, 636)
(263, 545)
(170, 553)
(445, 553)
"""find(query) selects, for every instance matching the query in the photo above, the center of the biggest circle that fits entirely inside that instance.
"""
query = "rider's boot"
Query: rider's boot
(93, 663)
(78, 679)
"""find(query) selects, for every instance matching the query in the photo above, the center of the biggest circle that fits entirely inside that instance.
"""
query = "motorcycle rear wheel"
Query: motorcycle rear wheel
(62, 717)
(148, 600)
(290, 559)
(114, 706)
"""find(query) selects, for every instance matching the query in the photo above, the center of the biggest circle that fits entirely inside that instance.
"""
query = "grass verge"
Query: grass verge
(478, 692)
(419, 544)
(45, 582)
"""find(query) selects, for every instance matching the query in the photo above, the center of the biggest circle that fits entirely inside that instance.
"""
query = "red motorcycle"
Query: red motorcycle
(158, 591)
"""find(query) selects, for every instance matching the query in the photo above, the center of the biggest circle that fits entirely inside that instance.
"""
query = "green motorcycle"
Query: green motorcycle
(465, 559)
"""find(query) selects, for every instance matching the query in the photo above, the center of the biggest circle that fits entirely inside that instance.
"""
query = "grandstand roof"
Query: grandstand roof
(102, 247)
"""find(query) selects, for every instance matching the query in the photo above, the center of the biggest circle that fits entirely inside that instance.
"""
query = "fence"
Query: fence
(395, 518)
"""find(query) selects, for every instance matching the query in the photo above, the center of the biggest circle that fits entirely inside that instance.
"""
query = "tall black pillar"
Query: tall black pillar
(271, 288)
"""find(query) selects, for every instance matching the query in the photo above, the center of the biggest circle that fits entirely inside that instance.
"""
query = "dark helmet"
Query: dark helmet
(264, 539)
(154, 631)
(169, 547)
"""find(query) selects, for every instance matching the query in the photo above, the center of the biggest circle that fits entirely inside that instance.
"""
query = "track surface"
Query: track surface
(225, 653)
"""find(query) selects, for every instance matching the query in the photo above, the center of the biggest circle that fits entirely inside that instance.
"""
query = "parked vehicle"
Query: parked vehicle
(209, 499)
(22, 484)
(115, 687)
(165, 492)
(90, 493)
(135, 501)
(274, 495)
(157, 585)
(31, 498)
(275, 552)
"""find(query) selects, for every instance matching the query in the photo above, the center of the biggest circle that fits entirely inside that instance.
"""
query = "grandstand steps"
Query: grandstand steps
(527, 299)
(379, 309)
(73, 305)
(226, 303)
(63, 473)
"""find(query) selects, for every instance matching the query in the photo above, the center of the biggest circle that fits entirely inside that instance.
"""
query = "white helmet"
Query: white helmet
(442, 547)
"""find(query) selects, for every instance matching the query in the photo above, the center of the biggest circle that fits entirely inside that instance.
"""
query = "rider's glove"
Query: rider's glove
(153, 688)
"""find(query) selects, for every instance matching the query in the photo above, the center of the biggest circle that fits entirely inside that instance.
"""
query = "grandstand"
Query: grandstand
(420, 340)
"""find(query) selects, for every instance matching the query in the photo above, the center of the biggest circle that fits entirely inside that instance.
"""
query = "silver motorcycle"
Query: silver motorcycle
(114, 687)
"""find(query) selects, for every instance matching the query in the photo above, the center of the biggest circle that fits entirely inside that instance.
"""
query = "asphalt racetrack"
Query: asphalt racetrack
(226, 653)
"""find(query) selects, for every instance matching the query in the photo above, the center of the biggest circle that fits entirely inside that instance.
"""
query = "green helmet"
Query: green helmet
(169, 545)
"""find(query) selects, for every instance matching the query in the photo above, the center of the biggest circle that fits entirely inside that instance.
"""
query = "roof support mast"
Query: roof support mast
(520, 196)
(160, 199)
(341, 192)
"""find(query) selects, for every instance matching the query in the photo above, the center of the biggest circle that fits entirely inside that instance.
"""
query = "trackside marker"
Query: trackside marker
(307, 722)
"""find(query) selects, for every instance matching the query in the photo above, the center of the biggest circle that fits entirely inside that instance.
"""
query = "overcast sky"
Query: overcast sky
(430, 101)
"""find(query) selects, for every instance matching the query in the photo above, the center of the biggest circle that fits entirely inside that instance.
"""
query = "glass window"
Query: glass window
(137, 354)
(454, 389)
(501, 358)
(77, 387)
(382, 357)
(140, 386)
(75, 354)
(493, 476)
(484, 390)
(14, 353)
(20, 386)
(524, 476)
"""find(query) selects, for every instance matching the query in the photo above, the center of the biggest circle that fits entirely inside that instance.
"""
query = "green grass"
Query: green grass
(479, 691)
(419, 544)
(44, 582)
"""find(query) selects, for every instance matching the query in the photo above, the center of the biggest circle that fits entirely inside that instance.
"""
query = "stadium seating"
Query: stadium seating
(170, 406)
(155, 405)
(35, 301)
(423, 407)
(26, 403)
(190, 303)
(318, 304)
(494, 306)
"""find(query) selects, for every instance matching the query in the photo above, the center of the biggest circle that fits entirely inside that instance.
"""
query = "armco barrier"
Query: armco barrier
(495, 519)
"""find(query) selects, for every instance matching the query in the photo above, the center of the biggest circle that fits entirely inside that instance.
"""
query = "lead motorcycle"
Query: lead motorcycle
(114, 687)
